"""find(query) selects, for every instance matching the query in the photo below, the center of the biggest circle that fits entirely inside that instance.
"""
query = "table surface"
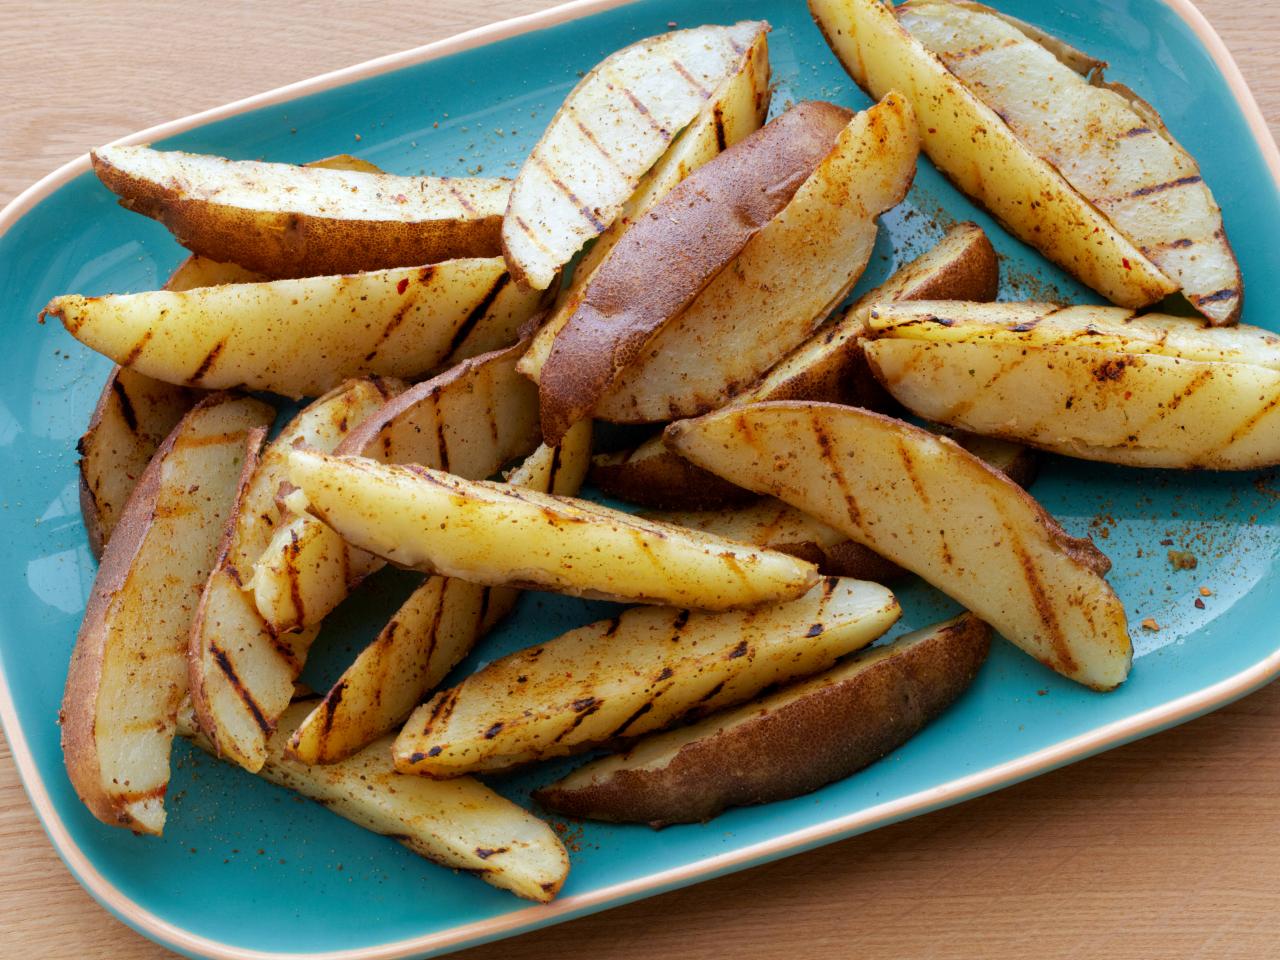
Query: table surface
(1164, 848)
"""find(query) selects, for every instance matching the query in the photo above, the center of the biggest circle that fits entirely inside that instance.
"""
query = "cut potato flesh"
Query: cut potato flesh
(644, 670)
(128, 673)
(491, 533)
(299, 338)
(928, 505)
(969, 143)
(1091, 382)
(472, 420)
(611, 130)
(671, 254)
(736, 110)
(782, 284)
(429, 635)
(283, 220)
(1103, 144)
(460, 824)
(241, 673)
(788, 743)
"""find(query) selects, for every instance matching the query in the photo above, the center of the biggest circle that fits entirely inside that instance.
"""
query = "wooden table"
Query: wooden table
(1166, 848)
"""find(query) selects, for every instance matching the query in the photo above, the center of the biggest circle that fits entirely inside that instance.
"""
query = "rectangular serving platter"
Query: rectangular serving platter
(247, 871)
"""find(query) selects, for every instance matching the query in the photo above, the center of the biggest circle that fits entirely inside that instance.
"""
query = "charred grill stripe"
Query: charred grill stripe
(228, 668)
(478, 312)
(484, 853)
(690, 79)
(396, 319)
(442, 444)
(207, 363)
(554, 471)
(721, 141)
(1254, 419)
(433, 634)
(291, 574)
(1198, 381)
(331, 704)
(714, 691)
(644, 112)
(582, 715)
(909, 467)
(1136, 132)
(586, 132)
(136, 350)
(612, 628)
(1224, 294)
(1064, 661)
(636, 715)
(135, 796)
(1167, 185)
(528, 231)
(461, 197)
(444, 706)
(587, 213)
(126, 405)
(837, 472)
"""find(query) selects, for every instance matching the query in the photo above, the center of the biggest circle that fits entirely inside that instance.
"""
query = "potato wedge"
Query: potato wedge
(829, 366)
(429, 635)
(644, 670)
(461, 824)
(1109, 145)
(128, 672)
(668, 256)
(791, 742)
(611, 129)
(240, 672)
(472, 420)
(978, 151)
(493, 534)
(285, 221)
(733, 112)
(301, 337)
(782, 284)
(1090, 382)
(929, 506)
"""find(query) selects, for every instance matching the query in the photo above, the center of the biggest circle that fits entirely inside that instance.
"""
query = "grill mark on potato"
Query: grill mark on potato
(583, 708)
(587, 213)
(1065, 662)
(138, 796)
(396, 319)
(291, 575)
(586, 132)
(461, 197)
(136, 350)
(909, 467)
(528, 231)
(484, 853)
(228, 669)
(718, 116)
(478, 312)
(636, 715)
(837, 473)
(1224, 294)
(1136, 132)
(690, 79)
(644, 112)
(209, 360)
(1254, 419)
(1198, 381)
(330, 706)
(444, 706)
(442, 443)
(1167, 185)
(553, 471)
(126, 406)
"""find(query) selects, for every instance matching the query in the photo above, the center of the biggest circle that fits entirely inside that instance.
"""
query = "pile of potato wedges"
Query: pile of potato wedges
(454, 345)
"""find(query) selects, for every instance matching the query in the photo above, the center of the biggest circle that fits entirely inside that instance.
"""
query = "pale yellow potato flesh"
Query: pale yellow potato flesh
(429, 634)
(1089, 382)
(737, 109)
(928, 505)
(612, 128)
(334, 216)
(969, 143)
(128, 674)
(460, 824)
(241, 673)
(472, 420)
(300, 337)
(782, 284)
(644, 670)
(494, 534)
(1103, 144)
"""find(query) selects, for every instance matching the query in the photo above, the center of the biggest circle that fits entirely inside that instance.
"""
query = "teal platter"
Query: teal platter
(245, 870)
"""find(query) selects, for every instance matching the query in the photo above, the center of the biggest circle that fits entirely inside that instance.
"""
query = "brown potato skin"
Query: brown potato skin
(665, 259)
(846, 559)
(792, 747)
(287, 245)
(665, 481)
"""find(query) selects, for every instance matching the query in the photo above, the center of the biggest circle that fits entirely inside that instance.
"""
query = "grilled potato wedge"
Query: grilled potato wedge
(1091, 382)
(783, 283)
(491, 533)
(733, 112)
(240, 673)
(430, 633)
(829, 366)
(128, 672)
(301, 337)
(461, 824)
(928, 505)
(472, 420)
(285, 221)
(791, 742)
(980, 153)
(674, 251)
(644, 670)
(1108, 144)
(612, 129)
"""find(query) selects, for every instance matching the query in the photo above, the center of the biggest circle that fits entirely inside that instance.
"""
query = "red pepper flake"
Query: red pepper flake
(1199, 604)
(1125, 261)
(403, 285)
(1042, 693)
(933, 129)
(1150, 624)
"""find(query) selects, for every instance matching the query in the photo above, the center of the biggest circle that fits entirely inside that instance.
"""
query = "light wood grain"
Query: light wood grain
(1166, 848)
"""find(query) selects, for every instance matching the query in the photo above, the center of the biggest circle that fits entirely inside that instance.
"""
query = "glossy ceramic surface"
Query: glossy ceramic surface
(245, 869)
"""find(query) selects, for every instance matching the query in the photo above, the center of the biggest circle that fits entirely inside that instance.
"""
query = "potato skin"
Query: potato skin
(793, 744)
(287, 245)
(662, 262)
(655, 477)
